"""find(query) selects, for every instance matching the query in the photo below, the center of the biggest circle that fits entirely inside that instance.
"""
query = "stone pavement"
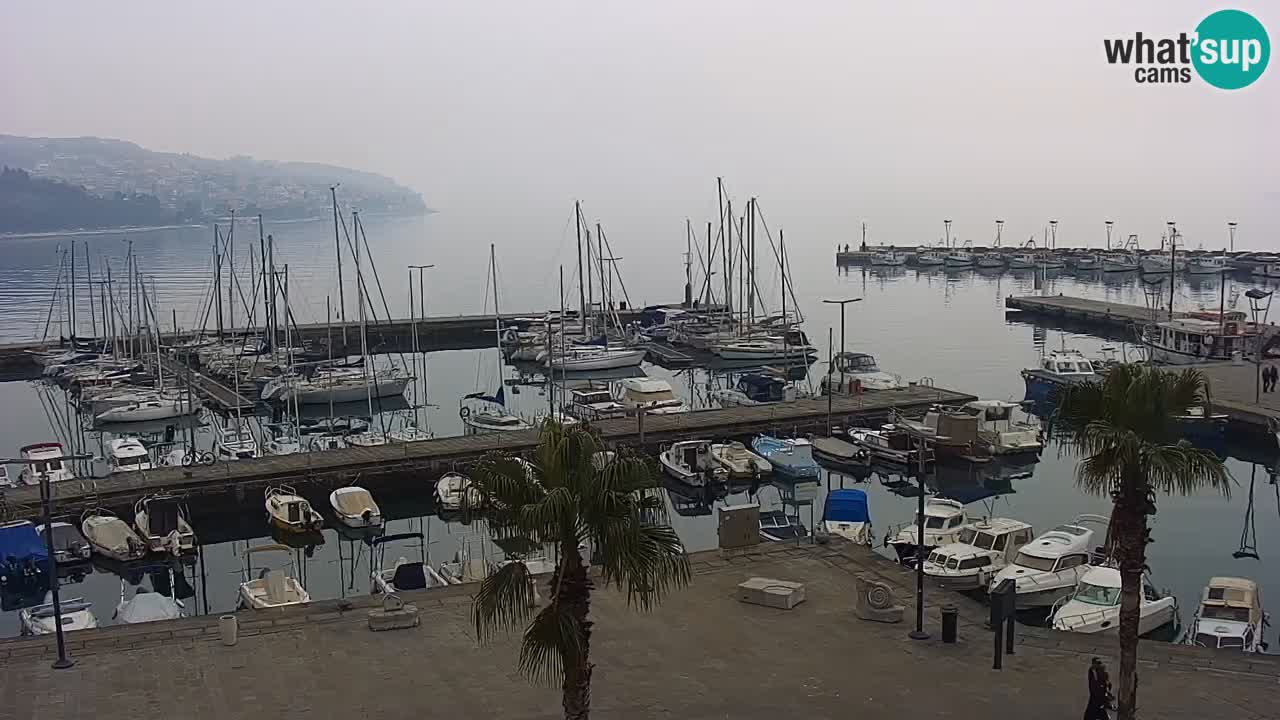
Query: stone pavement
(700, 655)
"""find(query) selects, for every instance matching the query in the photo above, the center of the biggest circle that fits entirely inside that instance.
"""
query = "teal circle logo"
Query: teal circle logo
(1232, 49)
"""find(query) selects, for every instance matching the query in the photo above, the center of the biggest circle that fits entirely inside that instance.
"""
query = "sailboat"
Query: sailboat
(489, 413)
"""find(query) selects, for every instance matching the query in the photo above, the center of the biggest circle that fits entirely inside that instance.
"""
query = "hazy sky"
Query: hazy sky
(833, 113)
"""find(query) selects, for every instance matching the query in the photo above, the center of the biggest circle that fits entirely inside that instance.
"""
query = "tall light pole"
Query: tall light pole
(841, 303)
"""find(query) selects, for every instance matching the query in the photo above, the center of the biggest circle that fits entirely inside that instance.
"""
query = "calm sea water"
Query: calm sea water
(950, 327)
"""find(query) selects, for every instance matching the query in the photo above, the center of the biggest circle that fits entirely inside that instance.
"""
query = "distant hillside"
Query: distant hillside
(101, 183)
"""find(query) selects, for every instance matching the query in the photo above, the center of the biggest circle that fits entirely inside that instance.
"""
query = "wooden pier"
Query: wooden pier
(419, 464)
(215, 395)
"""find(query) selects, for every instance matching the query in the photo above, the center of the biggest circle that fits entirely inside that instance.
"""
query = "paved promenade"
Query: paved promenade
(701, 655)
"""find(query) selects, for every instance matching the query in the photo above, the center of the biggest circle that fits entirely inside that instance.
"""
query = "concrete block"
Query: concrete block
(782, 594)
(394, 614)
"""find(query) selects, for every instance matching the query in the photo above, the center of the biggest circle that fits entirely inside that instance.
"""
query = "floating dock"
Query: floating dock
(1102, 314)
(422, 462)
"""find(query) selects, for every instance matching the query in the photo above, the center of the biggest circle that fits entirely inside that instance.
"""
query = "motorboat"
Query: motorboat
(931, 258)
(853, 372)
(1049, 567)
(778, 526)
(147, 605)
(24, 557)
(762, 349)
(1000, 432)
(128, 454)
(1121, 262)
(282, 439)
(592, 404)
(981, 550)
(944, 518)
(354, 507)
(273, 587)
(478, 555)
(44, 460)
(404, 574)
(1057, 369)
(162, 524)
(1201, 337)
(738, 461)
(755, 389)
(991, 260)
(5, 480)
(1230, 616)
(452, 489)
(327, 441)
(235, 442)
(791, 458)
(654, 395)
(845, 513)
(959, 259)
(892, 445)
(1200, 424)
(1094, 606)
(584, 358)
(160, 408)
(43, 619)
(690, 462)
(291, 512)
(836, 454)
(1208, 265)
(948, 432)
(69, 544)
(111, 537)
(888, 258)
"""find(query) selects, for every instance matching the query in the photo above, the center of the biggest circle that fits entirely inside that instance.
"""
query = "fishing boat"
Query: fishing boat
(1000, 432)
(1120, 262)
(980, 551)
(1201, 337)
(404, 574)
(991, 260)
(791, 458)
(943, 520)
(43, 618)
(1049, 567)
(235, 442)
(453, 489)
(354, 507)
(128, 454)
(755, 389)
(778, 526)
(1094, 607)
(836, 454)
(845, 513)
(1057, 369)
(959, 259)
(160, 408)
(690, 462)
(291, 512)
(1208, 265)
(146, 605)
(931, 258)
(162, 524)
(853, 372)
(44, 460)
(273, 587)
(888, 258)
(111, 537)
(69, 544)
(1230, 617)
(653, 395)
(738, 461)
(1089, 262)
(24, 557)
(890, 444)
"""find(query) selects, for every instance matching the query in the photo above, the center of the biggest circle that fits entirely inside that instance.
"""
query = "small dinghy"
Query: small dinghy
(163, 525)
(355, 508)
(110, 536)
(274, 587)
(845, 513)
(405, 574)
(778, 526)
(738, 461)
(451, 489)
(690, 462)
(289, 511)
(42, 620)
(836, 454)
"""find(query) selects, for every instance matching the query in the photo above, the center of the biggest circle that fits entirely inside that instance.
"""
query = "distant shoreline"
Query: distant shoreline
(153, 228)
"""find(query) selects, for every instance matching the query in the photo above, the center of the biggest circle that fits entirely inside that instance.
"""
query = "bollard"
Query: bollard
(950, 623)
(229, 629)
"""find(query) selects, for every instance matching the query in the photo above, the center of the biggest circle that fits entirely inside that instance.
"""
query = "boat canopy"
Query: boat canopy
(21, 542)
(147, 607)
(847, 505)
(162, 514)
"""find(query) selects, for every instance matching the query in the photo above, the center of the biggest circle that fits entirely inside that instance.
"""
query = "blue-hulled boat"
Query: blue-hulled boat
(1058, 368)
(846, 513)
(24, 560)
(791, 458)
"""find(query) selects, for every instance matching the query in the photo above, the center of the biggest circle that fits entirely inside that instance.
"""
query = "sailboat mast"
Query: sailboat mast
(231, 275)
(582, 297)
(688, 263)
(751, 261)
(337, 253)
(217, 276)
(88, 269)
(1173, 260)
(72, 307)
(364, 339)
(497, 314)
(786, 327)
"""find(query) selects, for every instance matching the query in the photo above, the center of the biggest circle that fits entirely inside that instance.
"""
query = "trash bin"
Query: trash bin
(950, 623)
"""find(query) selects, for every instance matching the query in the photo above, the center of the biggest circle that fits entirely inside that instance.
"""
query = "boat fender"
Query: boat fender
(1209, 340)
(464, 412)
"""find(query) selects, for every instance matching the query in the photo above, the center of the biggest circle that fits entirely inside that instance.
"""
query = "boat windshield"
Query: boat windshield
(1217, 612)
(1098, 595)
(985, 541)
(1033, 562)
(967, 535)
(46, 466)
(933, 522)
(859, 363)
(650, 397)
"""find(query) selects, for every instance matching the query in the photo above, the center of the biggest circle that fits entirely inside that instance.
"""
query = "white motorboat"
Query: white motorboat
(146, 606)
(853, 372)
(1230, 616)
(44, 461)
(273, 587)
(888, 258)
(1201, 337)
(5, 480)
(1000, 432)
(162, 524)
(1094, 607)
(757, 388)
(654, 395)
(291, 512)
(405, 574)
(1048, 568)
(586, 357)
(160, 408)
(690, 462)
(778, 526)
(128, 454)
(42, 619)
(282, 439)
(981, 550)
(593, 403)
(452, 488)
(1120, 262)
(991, 260)
(930, 258)
(69, 544)
(1202, 265)
(762, 349)
(235, 442)
(738, 461)
(327, 441)
(845, 513)
(355, 508)
(110, 536)
(1057, 369)
(943, 520)
(959, 259)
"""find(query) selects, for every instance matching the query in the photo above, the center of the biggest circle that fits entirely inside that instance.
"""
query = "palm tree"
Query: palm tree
(572, 495)
(1125, 427)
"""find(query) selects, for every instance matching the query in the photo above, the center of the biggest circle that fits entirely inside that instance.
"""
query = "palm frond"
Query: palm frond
(504, 600)
(552, 641)
(646, 561)
(504, 483)
(1185, 470)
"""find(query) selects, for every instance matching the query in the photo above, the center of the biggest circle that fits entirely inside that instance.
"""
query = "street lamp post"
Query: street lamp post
(841, 303)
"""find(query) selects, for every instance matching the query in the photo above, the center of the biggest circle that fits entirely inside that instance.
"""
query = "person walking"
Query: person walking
(1269, 378)
(1099, 692)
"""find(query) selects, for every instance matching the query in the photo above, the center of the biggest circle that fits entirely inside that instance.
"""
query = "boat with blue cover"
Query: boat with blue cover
(847, 514)
(24, 559)
(791, 458)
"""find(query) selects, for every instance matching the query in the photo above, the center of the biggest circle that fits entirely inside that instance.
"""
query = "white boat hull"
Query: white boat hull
(612, 360)
(146, 412)
(729, 353)
(684, 475)
(319, 395)
(1075, 616)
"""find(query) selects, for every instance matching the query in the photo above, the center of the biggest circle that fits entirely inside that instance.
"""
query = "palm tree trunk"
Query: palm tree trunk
(575, 594)
(1131, 553)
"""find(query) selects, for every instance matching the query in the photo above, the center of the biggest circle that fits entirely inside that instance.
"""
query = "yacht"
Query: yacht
(654, 395)
(489, 415)
(690, 462)
(327, 441)
(1094, 607)
(336, 385)
(42, 619)
(128, 454)
(791, 458)
(235, 442)
(845, 513)
(1230, 616)
(291, 512)
(739, 462)
(1120, 262)
(1058, 368)
(943, 520)
(888, 258)
(1202, 265)
(999, 432)
(853, 372)
(1048, 568)
(162, 524)
(273, 587)
(593, 403)
(980, 551)
(45, 460)
(111, 537)
(1200, 337)
(282, 439)
(778, 526)
(354, 507)
(404, 574)
(160, 408)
